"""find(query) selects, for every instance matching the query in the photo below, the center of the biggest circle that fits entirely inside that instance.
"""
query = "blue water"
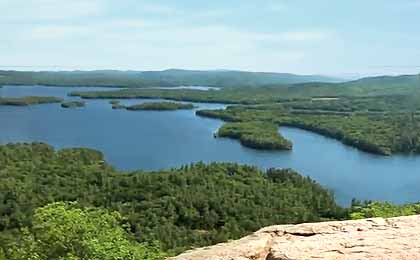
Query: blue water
(152, 140)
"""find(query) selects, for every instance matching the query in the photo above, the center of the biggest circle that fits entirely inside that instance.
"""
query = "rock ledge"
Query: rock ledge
(377, 238)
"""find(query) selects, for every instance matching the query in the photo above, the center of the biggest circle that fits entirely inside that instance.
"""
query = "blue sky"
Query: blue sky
(367, 37)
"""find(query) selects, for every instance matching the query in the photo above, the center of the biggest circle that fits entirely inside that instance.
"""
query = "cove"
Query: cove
(152, 140)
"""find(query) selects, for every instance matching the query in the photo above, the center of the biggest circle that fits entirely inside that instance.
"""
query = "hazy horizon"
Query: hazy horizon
(339, 77)
(346, 40)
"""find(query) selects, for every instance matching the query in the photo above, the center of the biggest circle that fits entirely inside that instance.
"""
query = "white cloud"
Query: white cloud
(57, 32)
(48, 10)
(305, 36)
(85, 34)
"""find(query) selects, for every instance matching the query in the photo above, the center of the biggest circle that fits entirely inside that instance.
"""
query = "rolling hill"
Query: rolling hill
(165, 78)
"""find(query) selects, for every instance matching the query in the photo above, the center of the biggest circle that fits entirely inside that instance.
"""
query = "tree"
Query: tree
(64, 231)
(382, 209)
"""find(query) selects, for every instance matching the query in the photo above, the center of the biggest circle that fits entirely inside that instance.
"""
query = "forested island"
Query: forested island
(73, 104)
(116, 104)
(27, 101)
(378, 114)
(152, 106)
(160, 106)
(258, 135)
(148, 214)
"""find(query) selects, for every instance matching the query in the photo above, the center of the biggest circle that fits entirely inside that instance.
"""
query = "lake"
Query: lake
(152, 140)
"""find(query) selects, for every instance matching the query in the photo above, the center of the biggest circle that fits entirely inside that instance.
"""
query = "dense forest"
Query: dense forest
(406, 88)
(165, 78)
(258, 135)
(160, 106)
(352, 105)
(227, 95)
(384, 134)
(26, 101)
(195, 205)
(73, 104)
(384, 123)
(279, 84)
(151, 214)
(145, 215)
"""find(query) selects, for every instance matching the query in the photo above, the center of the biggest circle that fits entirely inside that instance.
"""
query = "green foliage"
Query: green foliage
(365, 105)
(385, 122)
(376, 133)
(116, 104)
(259, 135)
(26, 101)
(226, 95)
(160, 106)
(380, 93)
(195, 205)
(63, 231)
(73, 104)
(166, 78)
(382, 209)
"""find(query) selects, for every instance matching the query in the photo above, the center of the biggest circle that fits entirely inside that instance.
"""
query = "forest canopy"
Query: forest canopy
(26, 101)
(148, 213)
(191, 206)
(160, 106)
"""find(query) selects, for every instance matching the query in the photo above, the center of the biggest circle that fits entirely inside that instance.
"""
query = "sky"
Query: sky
(328, 37)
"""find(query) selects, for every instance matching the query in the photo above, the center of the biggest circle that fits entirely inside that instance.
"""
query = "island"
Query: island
(161, 106)
(116, 104)
(379, 115)
(73, 104)
(30, 100)
(257, 135)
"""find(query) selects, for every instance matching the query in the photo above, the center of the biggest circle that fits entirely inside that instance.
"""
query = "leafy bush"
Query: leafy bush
(64, 231)
(382, 209)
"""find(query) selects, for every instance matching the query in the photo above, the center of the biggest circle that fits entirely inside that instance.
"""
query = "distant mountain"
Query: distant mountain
(232, 78)
(386, 81)
(382, 85)
(166, 78)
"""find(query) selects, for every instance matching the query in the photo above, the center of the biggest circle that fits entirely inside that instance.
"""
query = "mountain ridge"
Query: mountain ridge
(164, 78)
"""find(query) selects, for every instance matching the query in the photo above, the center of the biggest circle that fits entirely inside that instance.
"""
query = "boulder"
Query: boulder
(377, 238)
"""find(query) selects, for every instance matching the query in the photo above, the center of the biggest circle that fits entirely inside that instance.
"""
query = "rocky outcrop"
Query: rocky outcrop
(377, 238)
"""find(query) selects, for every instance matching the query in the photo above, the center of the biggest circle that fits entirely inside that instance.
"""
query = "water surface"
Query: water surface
(153, 140)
